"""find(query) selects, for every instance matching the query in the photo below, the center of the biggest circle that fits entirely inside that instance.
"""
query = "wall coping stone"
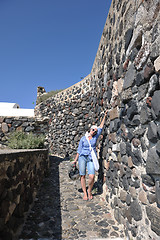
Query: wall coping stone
(11, 151)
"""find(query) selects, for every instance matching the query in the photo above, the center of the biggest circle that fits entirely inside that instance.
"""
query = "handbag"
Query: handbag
(93, 155)
(73, 172)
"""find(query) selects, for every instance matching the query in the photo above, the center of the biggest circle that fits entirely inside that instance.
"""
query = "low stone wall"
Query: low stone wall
(78, 90)
(9, 125)
(21, 172)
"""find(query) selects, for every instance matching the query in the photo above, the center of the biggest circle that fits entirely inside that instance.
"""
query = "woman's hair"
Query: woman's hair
(94, 126)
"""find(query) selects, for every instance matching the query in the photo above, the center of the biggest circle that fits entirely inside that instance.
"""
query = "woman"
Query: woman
(85, 160)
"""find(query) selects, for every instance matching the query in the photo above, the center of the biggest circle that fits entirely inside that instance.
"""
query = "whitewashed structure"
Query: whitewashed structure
(14, 110)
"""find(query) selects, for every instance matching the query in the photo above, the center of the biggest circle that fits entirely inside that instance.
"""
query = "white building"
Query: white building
(14, 110)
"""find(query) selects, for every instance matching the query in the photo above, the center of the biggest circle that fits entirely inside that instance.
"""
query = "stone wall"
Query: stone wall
(78, 90)
(21, 173)
(68, 122)
(125, 79)
(9, 125)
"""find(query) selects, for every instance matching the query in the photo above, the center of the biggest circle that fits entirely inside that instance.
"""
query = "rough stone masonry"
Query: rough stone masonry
(125, 79)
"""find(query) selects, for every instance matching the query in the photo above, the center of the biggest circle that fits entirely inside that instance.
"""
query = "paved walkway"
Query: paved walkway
(60, 212)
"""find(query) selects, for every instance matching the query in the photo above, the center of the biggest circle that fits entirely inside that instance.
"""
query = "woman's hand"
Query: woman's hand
(103, 120)
(76, 158)
(106, 112)
(74, 162)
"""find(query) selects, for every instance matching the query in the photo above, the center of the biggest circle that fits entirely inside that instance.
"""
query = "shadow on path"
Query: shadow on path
(44, 219)
(60, 213)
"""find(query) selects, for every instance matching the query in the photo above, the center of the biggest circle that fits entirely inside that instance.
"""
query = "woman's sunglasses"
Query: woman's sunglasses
(94, 130)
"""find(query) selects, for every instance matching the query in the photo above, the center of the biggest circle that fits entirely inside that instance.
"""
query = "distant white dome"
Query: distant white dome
(9, 105)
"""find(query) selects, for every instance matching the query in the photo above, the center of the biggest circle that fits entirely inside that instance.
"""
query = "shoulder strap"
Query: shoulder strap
(86, 135)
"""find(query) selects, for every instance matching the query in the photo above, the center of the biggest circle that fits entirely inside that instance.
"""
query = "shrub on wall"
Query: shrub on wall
(21, 140)
(45, 96)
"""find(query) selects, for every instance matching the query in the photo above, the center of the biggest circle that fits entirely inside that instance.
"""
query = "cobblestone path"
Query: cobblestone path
(59, 212)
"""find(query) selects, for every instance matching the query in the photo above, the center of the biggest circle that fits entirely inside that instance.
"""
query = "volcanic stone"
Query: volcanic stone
(128, 37)
(16, 124)
(142, 56)
(151, 198)
(154, 216)
(136, 120)
(133, 54)
(125, 183)
(130, 163)
(4, 127)
(153, 162)
(134, 231)
(154, 50)
(142, 90)
(158, 192)
(136, 157)
(155, 100)
(153, 83)
(157, 64)
(125, 159)
(143, 197)
(126, 95)
(128, 199)
(145, 114)
(128, 215)
(133, 192)
(116, 148)
(147, 179)
(136, 211)
(122, 148)
(158, 147)
(136, 142)
(131, 111)
(114, 125)
(152, 132)
(112, 137)
(148, 71)
(129, 77)
(113, 114)
(123, 195)
(117, 215)
(155, 32)
(139, 79)
(29, 129)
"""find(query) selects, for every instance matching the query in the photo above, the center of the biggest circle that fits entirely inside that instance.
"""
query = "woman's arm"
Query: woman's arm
(78, 152)
(76, 158)
(103, 120)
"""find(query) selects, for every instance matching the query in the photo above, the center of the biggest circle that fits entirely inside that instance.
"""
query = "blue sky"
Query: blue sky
(48, 43)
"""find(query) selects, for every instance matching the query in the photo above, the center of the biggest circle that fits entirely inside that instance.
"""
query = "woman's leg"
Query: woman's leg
(90, 185)
(91, 173)
(83, 184)
(82, 172)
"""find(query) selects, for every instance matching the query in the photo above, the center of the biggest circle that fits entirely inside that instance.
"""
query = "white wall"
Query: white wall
(17, 112)
(14, 110)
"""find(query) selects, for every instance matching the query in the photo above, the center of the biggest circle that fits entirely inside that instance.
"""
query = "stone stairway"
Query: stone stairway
(59, 211)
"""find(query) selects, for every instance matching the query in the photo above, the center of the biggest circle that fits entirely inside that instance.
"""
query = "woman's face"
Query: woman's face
(93, 131)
